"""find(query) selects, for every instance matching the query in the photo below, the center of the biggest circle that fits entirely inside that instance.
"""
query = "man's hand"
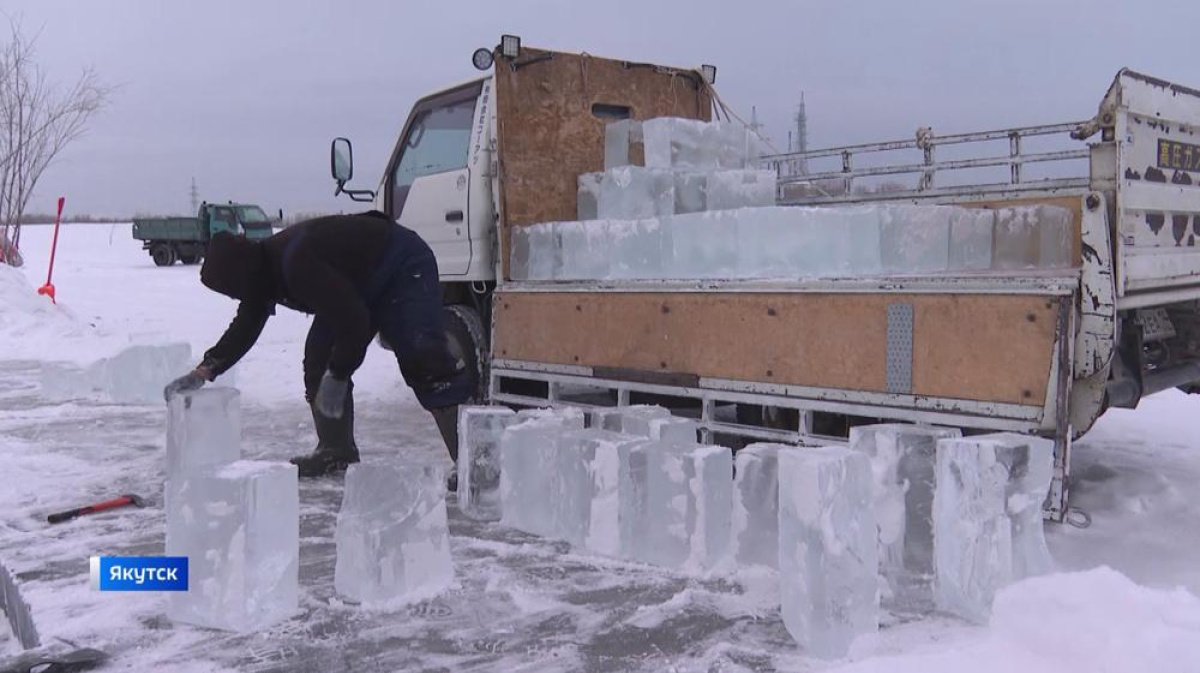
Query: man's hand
(331, 396)
(193, 380)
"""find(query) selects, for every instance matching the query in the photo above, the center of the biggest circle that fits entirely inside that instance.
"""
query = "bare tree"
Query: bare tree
(38, 120)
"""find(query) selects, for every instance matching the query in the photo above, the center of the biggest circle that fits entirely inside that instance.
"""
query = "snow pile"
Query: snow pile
(30, 323)
(1097, 621)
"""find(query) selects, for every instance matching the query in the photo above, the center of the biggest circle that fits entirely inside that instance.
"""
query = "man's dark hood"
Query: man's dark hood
(237, 268)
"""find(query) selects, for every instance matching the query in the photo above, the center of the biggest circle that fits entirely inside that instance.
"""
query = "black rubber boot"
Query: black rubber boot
(447, 422)
(336, 449)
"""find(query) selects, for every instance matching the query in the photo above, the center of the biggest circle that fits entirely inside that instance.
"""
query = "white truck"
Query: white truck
(803, 360)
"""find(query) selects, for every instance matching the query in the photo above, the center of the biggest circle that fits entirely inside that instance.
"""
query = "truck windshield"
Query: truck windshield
(252, 215)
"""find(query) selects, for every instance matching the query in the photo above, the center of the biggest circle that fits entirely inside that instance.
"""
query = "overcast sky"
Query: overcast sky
(245, 95)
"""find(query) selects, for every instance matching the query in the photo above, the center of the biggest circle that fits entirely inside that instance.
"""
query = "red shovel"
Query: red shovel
(48, 288)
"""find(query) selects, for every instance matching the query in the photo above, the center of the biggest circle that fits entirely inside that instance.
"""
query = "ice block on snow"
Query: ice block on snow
(902, 462)
(657, 423)
(479, 431)
(828, 561)
(633, 192)
(729, 190)
(1030, 465)
(528, 466)
(689, 497)
(754, 535)
(204, 428)
(973, 557)
(392, 540)
(238, 524)
(587, 490)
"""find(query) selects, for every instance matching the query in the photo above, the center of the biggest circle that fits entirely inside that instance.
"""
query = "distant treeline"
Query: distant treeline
(40, 218)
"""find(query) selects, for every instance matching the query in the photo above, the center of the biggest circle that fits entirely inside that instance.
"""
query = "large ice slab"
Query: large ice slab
(902, 462)
(1030, 237)
(754, 536)
(528, 467)
(689, 498)
(619, 137)
(204, 428)
(238, 524)
(392, 540)
(585, 250)
(657, 423)
(588, 196)
(915, 239)
(828, 559)
(613, 418)
(703, 245)
(987, 518)
(135, 375)
(971, 232)
(536, 252)
(479, 431)
(633, 193)
(638, 249)
(729, 190)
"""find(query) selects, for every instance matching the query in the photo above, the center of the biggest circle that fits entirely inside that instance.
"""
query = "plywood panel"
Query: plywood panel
(547, 134)
(979, 347)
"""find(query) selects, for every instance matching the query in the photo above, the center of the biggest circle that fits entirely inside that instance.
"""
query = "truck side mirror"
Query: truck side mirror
(341, 160)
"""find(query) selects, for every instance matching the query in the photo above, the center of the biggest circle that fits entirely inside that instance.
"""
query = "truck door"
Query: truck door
(428, 183)
(223, 219)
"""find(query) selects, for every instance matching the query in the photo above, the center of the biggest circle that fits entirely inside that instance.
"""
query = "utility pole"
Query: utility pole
(195, 194)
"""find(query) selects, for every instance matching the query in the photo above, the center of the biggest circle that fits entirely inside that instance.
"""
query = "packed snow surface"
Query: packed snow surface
(1124, 598)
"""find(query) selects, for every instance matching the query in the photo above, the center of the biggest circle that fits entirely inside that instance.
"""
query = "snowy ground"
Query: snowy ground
(520, 603)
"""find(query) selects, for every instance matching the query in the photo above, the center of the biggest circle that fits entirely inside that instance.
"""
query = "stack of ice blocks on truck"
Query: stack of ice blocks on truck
(903, 517)
(679, 200)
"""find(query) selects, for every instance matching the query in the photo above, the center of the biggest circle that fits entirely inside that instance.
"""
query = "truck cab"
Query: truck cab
(185, 239)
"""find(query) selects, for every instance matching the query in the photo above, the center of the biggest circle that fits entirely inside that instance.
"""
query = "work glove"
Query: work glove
(190, 381)
(331, 396)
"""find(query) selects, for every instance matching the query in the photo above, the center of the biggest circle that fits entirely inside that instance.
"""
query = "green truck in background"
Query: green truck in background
(185, 239)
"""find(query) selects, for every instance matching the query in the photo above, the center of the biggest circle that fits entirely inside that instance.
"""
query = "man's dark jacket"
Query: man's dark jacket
(320, 266)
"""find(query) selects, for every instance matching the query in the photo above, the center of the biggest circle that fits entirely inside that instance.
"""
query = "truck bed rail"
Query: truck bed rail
(791, 168)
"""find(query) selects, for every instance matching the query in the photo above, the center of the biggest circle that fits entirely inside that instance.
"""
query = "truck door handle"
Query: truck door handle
(454, 216)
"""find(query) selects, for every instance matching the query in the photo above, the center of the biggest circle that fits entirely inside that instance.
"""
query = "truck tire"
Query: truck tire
(468, 342)
(192, 258)
(163, 254)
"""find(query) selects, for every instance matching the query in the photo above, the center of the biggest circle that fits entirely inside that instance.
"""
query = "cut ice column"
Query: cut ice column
(479, 431)
(528, 467)
(392, 540)
(633, 193)
(639, 249)
(666, 428)
(689, 497)
(902, 461)
(672, 142)
(828, 559)
(536, 252)
(755, 522)
(239, 526)
(987, 518)
(618, 137)
(729, 190)
(204, 428)
(587, 490)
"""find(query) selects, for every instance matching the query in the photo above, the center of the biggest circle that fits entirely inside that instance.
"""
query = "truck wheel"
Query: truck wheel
(468, 342)
(193, 258)
(163, 255)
